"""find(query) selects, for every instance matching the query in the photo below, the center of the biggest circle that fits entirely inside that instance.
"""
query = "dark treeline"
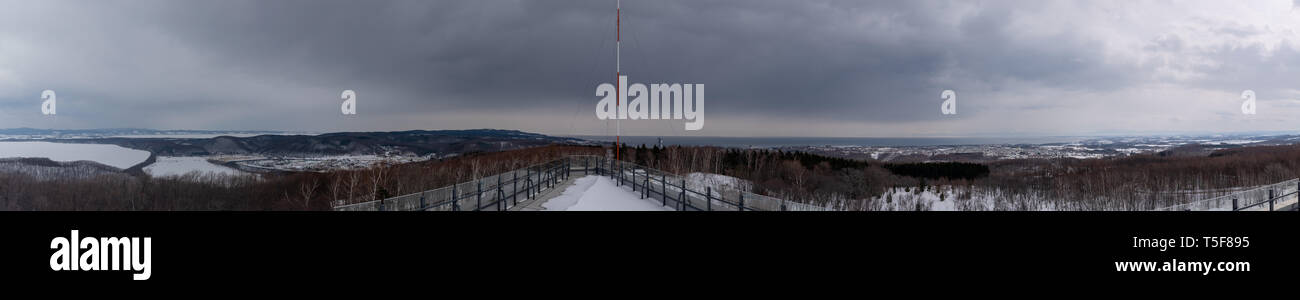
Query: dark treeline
(940, 170)
(792, 175)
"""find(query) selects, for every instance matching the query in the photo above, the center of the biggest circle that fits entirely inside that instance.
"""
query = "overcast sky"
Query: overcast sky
(771, 68)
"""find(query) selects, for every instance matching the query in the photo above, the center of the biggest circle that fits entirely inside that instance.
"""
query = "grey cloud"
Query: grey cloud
(281, 64)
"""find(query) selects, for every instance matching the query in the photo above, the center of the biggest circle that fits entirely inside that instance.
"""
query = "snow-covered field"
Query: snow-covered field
(111, 155)
(700, 180)
(596, 193)
(949, 198)
(175, 166)
(322, 163)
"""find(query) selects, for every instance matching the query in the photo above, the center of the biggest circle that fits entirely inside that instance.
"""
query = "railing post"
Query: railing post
(665, 186)
(421, 200)
(455, 201)
(514, 187)
(682, 199)
(478, 202)
(1270, 199)
(500, 193)
(783, 204)
(742, 203)
(708, 195)
(1234, 204)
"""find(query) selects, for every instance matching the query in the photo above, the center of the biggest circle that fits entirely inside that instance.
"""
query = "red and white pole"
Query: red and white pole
(618, 74)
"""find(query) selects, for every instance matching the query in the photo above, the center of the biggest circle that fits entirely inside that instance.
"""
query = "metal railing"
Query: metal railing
(502, 191)
(1268, 197)
(681, 193)
(491, 193)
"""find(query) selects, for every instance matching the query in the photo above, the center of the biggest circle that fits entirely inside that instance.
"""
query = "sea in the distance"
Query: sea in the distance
(770, 142)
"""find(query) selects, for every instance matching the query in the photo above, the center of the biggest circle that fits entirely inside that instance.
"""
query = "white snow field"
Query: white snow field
(176, 166)
(698, 181)
(112, 155)
(598, 193)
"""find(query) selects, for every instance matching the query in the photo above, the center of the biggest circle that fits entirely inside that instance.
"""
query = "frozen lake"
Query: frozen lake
(111, 155)
(175, 166)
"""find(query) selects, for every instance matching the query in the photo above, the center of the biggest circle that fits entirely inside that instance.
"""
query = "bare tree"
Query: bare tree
(797, 173)
(308, 188)
(378, 176)
(474, 169)
(354, 180)
(336, 183)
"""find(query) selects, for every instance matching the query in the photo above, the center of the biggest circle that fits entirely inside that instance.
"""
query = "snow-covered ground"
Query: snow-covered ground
(700, 180)
(111, 155)
(321, 163)
(174, 166)
(946, 198)
(596, 193)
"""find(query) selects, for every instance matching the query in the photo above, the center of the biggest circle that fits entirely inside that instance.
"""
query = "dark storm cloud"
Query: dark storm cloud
(281, 64)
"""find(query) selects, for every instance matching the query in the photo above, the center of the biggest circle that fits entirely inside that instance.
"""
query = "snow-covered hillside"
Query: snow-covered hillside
(698, 181)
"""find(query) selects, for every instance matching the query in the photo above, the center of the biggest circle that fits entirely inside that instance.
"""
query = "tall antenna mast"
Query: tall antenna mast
(618, 74)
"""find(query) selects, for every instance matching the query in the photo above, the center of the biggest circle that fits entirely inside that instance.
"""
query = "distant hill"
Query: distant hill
(414, 142)
(35, 133)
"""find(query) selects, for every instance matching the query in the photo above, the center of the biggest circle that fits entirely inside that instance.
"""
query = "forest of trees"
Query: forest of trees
(792, 175)
(940, 170)
(1134, 182)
